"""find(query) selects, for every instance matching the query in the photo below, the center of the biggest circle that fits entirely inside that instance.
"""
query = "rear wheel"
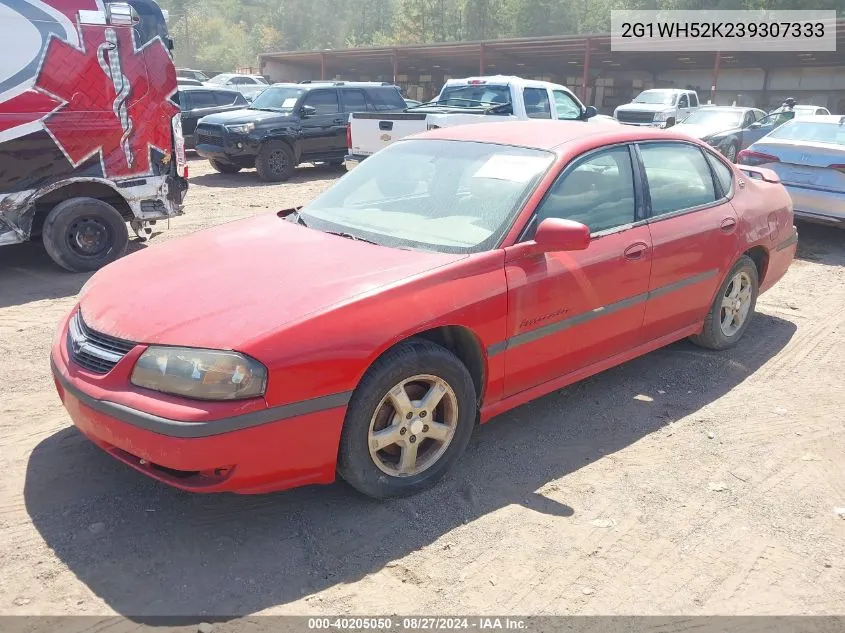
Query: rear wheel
(275, 162)
(732, 308)
(84, 234)
(730, 153)
(224, 168)
(408, 421)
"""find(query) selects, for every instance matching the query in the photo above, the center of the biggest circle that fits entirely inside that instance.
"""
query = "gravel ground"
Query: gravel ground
(716, 496)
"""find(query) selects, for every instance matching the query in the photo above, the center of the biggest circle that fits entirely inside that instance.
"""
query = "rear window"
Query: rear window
(386, 98)
(227, 98)
(815, 131)
(474, 95)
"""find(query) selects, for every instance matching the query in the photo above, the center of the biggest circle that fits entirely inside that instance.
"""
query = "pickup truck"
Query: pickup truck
(659, 107)
(465, 101)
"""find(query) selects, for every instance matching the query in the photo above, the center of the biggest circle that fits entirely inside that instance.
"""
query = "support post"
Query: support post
(764, 96)
(586, 76)
(715, 81)
(395, 67)
(482, 63)
(322, 66)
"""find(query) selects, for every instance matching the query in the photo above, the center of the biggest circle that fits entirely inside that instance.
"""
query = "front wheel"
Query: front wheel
(275, 162)
(408, 421)
(730, 153)
(84, 234)
(732, 308)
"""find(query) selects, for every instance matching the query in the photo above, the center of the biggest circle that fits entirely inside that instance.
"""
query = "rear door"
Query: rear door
(694, 235)
(570, 310)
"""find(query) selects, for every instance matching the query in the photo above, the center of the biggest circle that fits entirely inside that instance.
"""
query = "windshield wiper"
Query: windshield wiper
(265, 109)
(350, 236)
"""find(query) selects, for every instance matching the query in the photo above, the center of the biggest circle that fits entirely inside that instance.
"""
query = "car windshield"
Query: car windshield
(658, 97)
(474, 95)
(277, 98)
(716, 118)
(814, 131)
(435, 195)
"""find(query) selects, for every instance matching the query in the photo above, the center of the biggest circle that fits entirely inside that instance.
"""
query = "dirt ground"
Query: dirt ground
(717, 496)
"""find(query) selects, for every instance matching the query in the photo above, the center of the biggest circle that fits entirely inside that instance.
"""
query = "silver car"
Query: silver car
(808, 154)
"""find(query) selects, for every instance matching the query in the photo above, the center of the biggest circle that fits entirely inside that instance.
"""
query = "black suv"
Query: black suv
(288, 124)
(199, 101)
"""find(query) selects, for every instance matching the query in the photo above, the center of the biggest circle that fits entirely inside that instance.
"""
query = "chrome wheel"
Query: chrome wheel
(736, 303)
(731, 153)
(413, 425)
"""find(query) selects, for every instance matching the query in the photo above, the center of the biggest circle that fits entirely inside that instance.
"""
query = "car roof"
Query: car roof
(335, 84)
(190, 87)
(547, 135)
(836, 119)
(714, 108)
(511, 80)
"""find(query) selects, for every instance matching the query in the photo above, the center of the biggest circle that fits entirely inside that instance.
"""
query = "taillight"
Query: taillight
(349, 136)
(747, 157)
(837, 167)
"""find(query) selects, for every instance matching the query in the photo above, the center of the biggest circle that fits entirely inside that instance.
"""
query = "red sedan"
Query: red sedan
(449, 278)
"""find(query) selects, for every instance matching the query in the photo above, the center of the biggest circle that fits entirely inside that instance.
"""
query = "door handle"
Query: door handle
(339, 121)
(728, 225)
(636, 251)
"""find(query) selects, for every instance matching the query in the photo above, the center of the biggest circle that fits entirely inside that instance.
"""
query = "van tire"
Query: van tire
(275, 162)
(84, 234)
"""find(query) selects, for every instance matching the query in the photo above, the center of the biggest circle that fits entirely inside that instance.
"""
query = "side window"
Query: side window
(748, 119)
(240, 99)
(354, 101)
(202, 99)
(324, 100)
(537, 103)
(224, 97)
(565, 106)
(597, 191)
(240, 81)
(385, 99)
(724, 176)
(678, 177)
(683, 102)
(693, 99)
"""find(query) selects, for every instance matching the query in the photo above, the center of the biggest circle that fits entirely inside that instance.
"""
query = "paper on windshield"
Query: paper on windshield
(513, 168)
(289, 103)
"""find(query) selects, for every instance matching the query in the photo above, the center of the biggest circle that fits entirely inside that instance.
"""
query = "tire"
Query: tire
(224, 168)
(730, 153)
(670, 122)
(336, 163)
(714, 335)
(84, 234)
(275, 162)
(370, 406)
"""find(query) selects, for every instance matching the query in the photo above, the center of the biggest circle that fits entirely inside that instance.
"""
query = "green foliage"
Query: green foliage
(225, 34)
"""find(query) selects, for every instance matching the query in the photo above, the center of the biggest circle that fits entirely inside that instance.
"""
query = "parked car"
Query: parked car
(660, 107)
(451, 277)
(250, 86)
(88, 140)
(199, 101)
(808, 155)
(803, 111)
(190, 73)
(183, 81)
(290, 124)
(728, 129)
(467, 101)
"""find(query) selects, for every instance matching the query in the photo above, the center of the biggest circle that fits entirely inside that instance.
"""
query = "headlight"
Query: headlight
(659, 117)
(202, 374)
(244, 128)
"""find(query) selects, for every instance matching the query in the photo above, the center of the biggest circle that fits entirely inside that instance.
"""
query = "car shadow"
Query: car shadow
(148, 550)
(821, 244)
(249, 177)
(28, 274)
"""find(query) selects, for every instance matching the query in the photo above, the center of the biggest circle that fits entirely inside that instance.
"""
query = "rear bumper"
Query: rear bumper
(818, 206)
(780, 259)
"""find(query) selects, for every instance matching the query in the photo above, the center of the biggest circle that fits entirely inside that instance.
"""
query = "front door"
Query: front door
(569, 310)
(320, 135)
(694, 231)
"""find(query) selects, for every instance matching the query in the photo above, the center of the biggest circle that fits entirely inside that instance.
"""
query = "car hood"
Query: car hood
(645, 107)
(698, 130)
(246, 115)
(227, 286)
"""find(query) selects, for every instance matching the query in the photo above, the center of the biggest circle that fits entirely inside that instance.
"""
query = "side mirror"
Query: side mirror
(590, 112)
(555, 234)
(307, 111)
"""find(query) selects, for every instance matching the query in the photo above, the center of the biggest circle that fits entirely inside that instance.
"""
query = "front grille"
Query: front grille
(634, 117)
(210, 134)
(96, 352)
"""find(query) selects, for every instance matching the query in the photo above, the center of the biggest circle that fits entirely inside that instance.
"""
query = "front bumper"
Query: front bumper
(265, 450)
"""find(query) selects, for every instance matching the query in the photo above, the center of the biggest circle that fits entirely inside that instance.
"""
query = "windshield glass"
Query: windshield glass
(658, 97)
(436, 195)
(474, 96)
(717, 118)
(831, 133)
(279, 98)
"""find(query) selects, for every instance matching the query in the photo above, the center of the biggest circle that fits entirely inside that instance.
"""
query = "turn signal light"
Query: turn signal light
(746, 157)
(349, 136)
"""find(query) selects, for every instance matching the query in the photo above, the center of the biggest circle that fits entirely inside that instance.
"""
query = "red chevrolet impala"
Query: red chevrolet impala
(452, 276)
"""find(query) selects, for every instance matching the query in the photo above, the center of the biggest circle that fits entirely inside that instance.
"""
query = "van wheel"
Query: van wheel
(84, 234)
(224, 168)
(408, 422)
(275, 162)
